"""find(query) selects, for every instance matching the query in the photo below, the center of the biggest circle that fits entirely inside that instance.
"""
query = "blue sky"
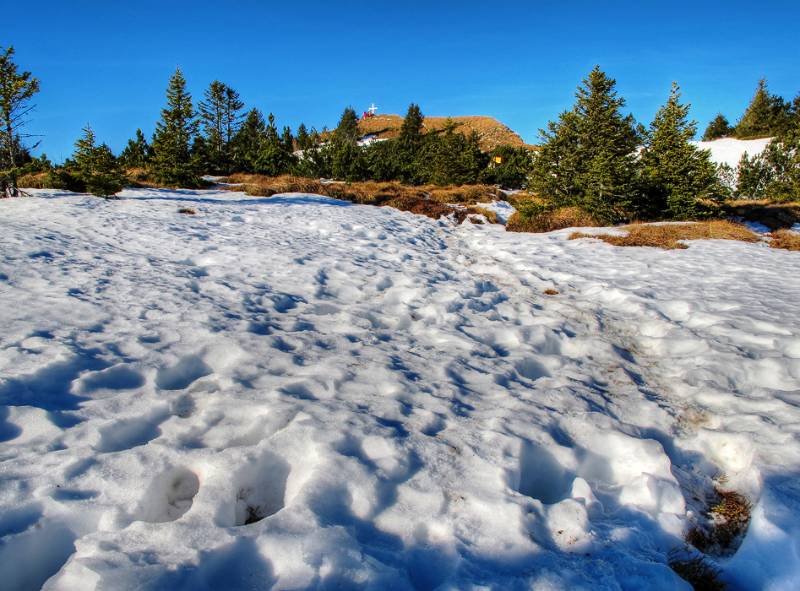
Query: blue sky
(107, 63)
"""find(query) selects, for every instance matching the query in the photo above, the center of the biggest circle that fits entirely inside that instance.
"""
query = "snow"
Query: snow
(299, 393)
(502, 209)
(730, 150)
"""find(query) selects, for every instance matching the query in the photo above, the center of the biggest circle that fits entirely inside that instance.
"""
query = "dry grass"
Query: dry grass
(785, 240)
(491, 132)
(490, 215)
(433, 202)
(728, 519)
(187, 211)
(550, 291)
(37, 180)
(697, 572)
(775, 216)
(547, 221)
(668, 236)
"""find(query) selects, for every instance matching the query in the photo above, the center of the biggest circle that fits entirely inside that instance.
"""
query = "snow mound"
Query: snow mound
(730, 150)
(300, 393)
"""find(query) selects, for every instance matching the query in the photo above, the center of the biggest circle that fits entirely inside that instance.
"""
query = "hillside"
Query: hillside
(297, 392)
(492, 133)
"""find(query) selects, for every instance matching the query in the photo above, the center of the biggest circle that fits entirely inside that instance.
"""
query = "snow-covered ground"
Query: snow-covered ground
(730, 150)
(299, 393)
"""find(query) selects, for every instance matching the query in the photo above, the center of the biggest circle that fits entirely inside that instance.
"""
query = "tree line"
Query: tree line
(594, 156)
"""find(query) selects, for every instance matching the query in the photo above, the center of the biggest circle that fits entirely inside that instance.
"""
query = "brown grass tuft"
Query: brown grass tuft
(551, 291)
(728, 519)
(785, 239)
(775, 216)
(188, 210)
(667, 236)
(36, 180)
(433, 202)
(696, 570)
(491, 217)
(547, 221)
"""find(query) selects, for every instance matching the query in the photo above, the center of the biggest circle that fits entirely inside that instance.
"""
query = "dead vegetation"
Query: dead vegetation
(431, 201)
(670, 236)
(727, 521)
(491, 133)
(697, 571)
(187, 211)
(775, 216)
(550, 291)
(786, 240)
(547, 221)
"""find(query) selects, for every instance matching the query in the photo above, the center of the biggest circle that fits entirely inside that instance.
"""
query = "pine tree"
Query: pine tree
(718, 128)
(172, 162)
(96, 167)
(248, 141)
(588, 158)
(678, 175)
(409, 144)
(220, 115)
(450, 158)
(287, 140)
(303, 138)
(775, 173)
(766, 115)
(16, 91)
(272, 158)
(137, 153)
(346, 156)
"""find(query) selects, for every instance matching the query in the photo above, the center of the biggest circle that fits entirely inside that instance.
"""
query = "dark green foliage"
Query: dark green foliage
(96, 167)
(513, 169)
(287, 140)
(347, 158)
(172, 163)
(450, 158)
(676, 174)
(273, 157)
(408, 146)
(220, 113)
(766, 115)
(303, 139)
(246, 144)
(718, 128)
(588, 158)
(137, 153)
(16, 91)
(775, 173)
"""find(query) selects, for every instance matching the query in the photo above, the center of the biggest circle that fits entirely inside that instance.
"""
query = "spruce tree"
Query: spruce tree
(678, 176)
(172, 162)
(16, 91)
(409, 143)
(287, 140)
(303, 138)
(718, 128)
(220, 116)
(137, 153)
(775, 173)
(96, 167)
(766, 115)
(346, 156)
(588, 158)
(272, 158)
(248, 141)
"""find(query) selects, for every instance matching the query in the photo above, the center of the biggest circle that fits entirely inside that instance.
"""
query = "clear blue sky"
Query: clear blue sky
(107, 63)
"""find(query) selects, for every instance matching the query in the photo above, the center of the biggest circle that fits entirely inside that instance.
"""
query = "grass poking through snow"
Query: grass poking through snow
(670, 236)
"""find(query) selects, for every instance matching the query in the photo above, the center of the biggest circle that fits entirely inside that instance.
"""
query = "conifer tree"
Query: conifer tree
(775, 173)
(220, 116)
(766, 115)
(718, 128)
(677, 175)
(588, 157)
(450, 158)
(409, 144)
(272, 158)
(248, 141)
(287, 140)
(137, 153)
(96, 167)
(16, 91)
(172, 162)
(303, 138)
(346, 157)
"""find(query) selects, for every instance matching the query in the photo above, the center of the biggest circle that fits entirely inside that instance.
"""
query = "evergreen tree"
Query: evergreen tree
(766, 115)
(409, 144)
(678, 175)
(137, 153)
(718, 128)
(512, 170)
(172, 162)
(96, 167)
(272, 159)
(775, 173)
(16, 91)
(588, 157)
(347, 158)
(303, 138)
(287, 140)
(248, 141)
(450, 158)
(220, 115)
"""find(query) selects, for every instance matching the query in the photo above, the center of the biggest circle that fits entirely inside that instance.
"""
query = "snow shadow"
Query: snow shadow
(280, 199)
(29, 558)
